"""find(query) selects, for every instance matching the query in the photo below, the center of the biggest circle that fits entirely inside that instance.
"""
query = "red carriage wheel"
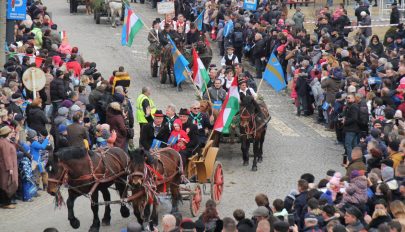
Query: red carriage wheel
(217, 182)
(195, 201)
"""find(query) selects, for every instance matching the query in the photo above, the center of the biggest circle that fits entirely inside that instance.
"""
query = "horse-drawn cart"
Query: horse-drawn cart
(202, 169)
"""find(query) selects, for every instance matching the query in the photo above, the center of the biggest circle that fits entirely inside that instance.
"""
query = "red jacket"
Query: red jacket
(75, 66)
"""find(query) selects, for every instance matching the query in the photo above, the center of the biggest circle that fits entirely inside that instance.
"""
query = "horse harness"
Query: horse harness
(94, 178)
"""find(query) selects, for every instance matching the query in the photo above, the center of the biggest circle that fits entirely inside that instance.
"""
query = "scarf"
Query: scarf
(196, 119)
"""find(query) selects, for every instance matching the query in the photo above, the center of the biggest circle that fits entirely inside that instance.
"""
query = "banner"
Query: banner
(16, 9)
(165, 7)
(250, 4)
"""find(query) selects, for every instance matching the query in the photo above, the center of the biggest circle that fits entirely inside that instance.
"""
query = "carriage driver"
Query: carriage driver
(248, 99)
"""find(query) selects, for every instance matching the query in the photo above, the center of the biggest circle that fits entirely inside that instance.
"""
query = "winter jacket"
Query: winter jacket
(378, 49)
(317, 91)
(298, 19)
(356, 192)
(37, 119)
(59, 91)
(331, 87)
(351, 118)
(395, 16)
(117, 123)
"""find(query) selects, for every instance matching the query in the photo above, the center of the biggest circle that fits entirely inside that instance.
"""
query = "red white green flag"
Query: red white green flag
(229, 109)
(132, 24)
(200, 75)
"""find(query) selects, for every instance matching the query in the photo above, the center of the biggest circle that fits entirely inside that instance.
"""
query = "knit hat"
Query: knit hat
(75, 108)
(62, 128)
(31, 134)
(66, 103)
(63, 111)
(356, 173)
(387, 173)
(335, 180)
(351, 89)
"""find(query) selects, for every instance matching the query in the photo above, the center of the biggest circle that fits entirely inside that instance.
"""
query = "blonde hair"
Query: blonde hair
(378, 213)
(397, 209)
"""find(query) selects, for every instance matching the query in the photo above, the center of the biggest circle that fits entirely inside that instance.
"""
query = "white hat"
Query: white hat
(363, 13)
(351, 89)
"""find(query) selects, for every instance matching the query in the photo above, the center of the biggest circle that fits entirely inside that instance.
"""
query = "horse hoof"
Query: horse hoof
(124, 211)
(260, 159)
(254, 169)
(75, 223)
(105, 222)
(245, 163)
(94, 229)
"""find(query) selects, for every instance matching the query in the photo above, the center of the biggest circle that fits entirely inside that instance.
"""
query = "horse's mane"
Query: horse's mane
(68, 153)
(137, 156)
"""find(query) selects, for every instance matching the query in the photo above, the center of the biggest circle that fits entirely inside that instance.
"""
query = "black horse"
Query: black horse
(254, 117)
(88, 172)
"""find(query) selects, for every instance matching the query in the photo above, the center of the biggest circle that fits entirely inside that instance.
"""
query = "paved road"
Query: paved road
(293, 145)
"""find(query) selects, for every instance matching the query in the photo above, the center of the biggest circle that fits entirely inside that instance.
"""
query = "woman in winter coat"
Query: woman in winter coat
(356, 192)
(36, 117)
(376, 46)
(115, 119)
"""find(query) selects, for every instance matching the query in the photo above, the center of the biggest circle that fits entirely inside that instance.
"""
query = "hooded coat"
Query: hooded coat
(181, 135)
(8, 161)
(116, 120)
(356, 192)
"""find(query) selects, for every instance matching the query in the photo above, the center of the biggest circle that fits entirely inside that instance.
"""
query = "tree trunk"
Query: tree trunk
(3, 5)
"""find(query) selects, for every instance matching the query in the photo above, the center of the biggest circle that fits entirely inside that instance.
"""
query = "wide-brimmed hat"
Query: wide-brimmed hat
(5, 130)
(3, 112)
(158, 113)
(115, 106)
(184, 111)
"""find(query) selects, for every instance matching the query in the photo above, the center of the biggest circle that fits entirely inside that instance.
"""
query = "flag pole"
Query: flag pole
(260, 84)
(206, 89)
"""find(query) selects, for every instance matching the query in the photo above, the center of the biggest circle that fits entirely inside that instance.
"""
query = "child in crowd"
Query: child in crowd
(36, 148)
(178, 138)
(279, 210)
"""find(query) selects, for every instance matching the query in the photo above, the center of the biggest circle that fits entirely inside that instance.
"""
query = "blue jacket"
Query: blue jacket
(36, 147)
(228, 29)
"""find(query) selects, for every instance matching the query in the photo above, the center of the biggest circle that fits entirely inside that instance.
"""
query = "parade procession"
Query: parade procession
(202, 115)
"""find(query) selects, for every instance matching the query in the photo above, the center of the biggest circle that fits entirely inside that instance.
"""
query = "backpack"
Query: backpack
(363, 117)
(238, 38)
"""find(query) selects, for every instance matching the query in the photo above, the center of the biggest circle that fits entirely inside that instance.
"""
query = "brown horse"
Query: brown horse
(253, 125)
(86, 173)
(163, 170)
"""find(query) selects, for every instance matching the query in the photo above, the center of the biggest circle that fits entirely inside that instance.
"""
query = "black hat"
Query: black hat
(158, 113)
(184, 111)
(58, 73)
(355, 212)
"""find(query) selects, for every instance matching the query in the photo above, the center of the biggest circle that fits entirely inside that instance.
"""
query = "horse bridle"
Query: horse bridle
(62, 177)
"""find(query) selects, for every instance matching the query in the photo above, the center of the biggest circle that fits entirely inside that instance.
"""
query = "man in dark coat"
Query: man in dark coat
(155, 130)
(350, 125)
(300, 204)
(192, 132)
(8, 169)
(259, 52)
(76, 133)
(59, 92)
(395, 16)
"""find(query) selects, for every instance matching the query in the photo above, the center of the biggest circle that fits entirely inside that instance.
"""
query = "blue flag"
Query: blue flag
(273, 74)
(180, 63)
(199, 20)
(172, 140)
(156, 144)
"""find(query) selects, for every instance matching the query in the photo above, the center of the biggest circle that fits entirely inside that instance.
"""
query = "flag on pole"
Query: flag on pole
(229, 109)
(156, 144)
(62, 35)
(172, 140)
(132, 24)
(200, 75)
(181, 69)
(273, 74)
(199, 20)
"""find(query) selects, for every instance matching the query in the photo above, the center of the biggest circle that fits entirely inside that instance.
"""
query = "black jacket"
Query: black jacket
(259, 49)
(59, 91)
(192, 134)
(148, 135)
(351, 118)
(36, 119)
(395, 16)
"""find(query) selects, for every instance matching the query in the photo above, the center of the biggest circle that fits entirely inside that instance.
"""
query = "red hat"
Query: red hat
(158, 113)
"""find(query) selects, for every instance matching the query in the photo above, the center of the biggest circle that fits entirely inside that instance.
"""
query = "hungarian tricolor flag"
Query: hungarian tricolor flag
(200, 75)
(132, 24)
(229, 109)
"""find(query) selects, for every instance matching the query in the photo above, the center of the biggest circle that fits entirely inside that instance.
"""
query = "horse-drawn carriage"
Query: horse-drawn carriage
(145, 176)
(161, 62)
